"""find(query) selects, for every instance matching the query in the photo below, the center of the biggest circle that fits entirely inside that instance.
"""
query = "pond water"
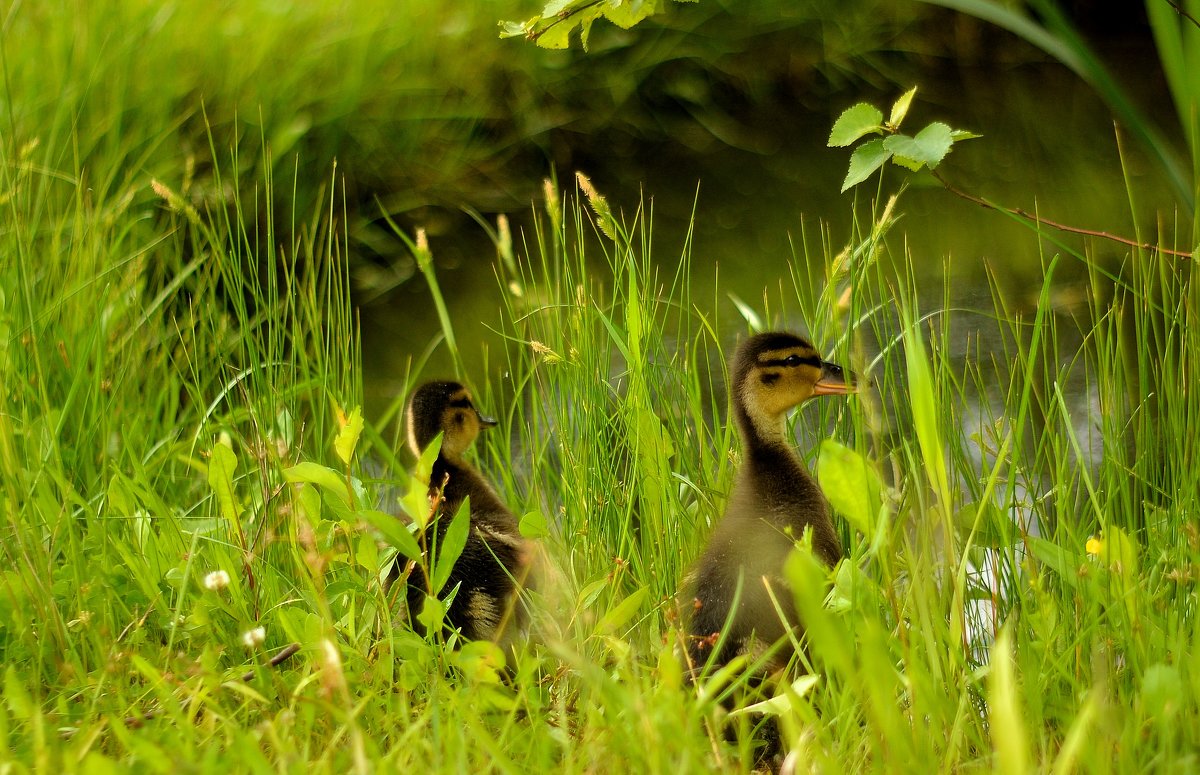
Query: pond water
(1048, 145)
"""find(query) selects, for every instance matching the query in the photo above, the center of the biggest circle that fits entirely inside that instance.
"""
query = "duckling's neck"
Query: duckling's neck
(773, 485)
(763, 432)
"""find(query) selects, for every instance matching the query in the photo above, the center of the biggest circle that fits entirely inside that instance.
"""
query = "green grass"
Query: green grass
(179, 369)
(160, 375)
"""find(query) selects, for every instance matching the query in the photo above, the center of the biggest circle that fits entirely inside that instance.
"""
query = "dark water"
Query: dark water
(1048, 145)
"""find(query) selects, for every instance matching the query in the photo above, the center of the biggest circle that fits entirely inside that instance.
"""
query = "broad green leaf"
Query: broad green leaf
(1119, 551)
(432, 613)
(347, 438)
(1009, 738)
(516, 29)
(589, 594)
(925, 413)
(909, 164)
(623, 612)
(856, 121)
(1056, 558)
(585, 25)
(415, 501)
(850, 484)
(630, 12)
(555, 37)
(221, 466)
(425, 462)
(963, 134)
(326, 478)
(451, 545)
(782, 702)
(394, 532)
(808, 578)
(533, 525)
(900, 107)
(865, 160)
(669, 672)
(928, 148)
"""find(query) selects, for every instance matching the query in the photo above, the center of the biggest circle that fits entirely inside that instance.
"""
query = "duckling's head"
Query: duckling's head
(446, 408)
(772, 373)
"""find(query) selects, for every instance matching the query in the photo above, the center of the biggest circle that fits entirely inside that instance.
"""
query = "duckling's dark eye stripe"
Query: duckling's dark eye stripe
(461, 403)
(793, 360)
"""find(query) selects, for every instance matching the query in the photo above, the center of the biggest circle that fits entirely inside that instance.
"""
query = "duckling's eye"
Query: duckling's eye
(792, 360)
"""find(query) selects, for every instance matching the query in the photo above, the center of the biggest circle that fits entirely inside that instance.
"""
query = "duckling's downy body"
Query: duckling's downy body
(774, 500)
(495, 560)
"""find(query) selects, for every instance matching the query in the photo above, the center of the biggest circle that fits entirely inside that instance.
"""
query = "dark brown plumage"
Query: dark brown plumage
(496, 559)
(774, 500)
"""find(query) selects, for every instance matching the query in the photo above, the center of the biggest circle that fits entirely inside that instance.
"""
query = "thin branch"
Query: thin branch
(1054, 225)
(1179, 10)
(562, 17)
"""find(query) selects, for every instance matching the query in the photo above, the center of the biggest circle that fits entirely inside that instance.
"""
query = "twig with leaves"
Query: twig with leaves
(926, 150)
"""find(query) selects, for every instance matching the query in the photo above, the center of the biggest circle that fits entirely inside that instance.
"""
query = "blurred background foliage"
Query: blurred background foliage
(422, 113)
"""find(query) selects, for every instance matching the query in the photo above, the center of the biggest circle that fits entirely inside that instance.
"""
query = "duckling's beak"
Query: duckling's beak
(485, 421)
(834, 381)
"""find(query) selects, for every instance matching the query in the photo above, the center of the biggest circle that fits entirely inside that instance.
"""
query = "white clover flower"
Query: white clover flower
(254, 638)
(216, 580)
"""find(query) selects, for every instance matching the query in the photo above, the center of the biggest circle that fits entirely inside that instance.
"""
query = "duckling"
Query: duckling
(774, 500)
(495, 561)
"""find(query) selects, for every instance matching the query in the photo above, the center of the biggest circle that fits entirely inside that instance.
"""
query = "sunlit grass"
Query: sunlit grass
(1021, 582)
(1022, 599)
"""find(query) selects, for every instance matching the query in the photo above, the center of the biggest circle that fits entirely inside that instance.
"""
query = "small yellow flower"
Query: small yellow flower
(1094, 546)
(217, 580)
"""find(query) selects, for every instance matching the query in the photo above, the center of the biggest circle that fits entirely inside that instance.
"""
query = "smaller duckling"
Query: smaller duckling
(774, 500)
(496, 559)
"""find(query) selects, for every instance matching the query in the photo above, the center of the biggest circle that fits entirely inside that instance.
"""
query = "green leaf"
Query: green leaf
(866, 158)
(909, 164)
(394, 532)
(963, 134)
(533, 525)
(451, 546)
(347, 438)
(925, 413)
(221, 466)
(516, 29)
(783, 702)
(556, 35)
(1056, 558)
(626, 13)
(850, 483)
(326, 478)
(900, 107)
(432, 613)
(1009, 738)
(856, 121)
(622, 613)
(928, 148)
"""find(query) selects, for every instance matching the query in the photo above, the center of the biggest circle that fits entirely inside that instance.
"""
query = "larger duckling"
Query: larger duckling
(495, 560)
(773, 502)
